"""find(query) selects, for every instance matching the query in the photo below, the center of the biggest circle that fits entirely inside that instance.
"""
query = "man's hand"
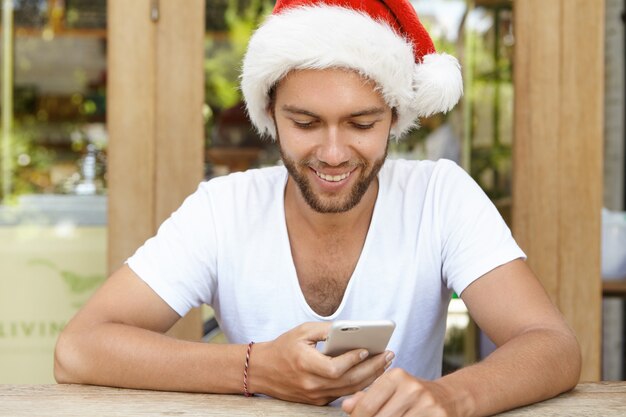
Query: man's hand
(397, 393)
(290, 368)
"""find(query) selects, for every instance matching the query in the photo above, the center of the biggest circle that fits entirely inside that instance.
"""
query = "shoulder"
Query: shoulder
(251, 195)
(405, 172)
(263, 179)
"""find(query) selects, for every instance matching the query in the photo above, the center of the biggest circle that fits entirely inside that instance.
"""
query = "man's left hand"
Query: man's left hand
(397, 393)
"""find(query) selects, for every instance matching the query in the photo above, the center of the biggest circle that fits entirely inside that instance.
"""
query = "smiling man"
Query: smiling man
(337, 233)
(332, 149)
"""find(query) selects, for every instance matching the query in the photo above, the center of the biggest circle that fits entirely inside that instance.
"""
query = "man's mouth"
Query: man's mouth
(333, 178)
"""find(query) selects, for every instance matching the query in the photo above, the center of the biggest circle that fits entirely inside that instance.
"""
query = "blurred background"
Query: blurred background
(54, 148)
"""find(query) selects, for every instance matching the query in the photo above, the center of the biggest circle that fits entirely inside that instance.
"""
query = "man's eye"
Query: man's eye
(303, 125)
(364, 126)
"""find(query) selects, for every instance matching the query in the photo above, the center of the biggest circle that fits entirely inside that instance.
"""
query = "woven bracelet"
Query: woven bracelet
(245, 372)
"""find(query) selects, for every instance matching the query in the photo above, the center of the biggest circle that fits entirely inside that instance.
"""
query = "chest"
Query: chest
(324, 268)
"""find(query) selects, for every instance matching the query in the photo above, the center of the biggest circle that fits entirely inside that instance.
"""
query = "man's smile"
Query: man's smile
(333, 178)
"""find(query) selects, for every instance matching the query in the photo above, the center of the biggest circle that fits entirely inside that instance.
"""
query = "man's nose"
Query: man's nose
(334, 149)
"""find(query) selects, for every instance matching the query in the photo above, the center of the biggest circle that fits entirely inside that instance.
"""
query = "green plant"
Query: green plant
(30, 163)
(223, 62)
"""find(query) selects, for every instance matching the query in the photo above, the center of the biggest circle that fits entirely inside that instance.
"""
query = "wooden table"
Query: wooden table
(591, 399)
(598, 399)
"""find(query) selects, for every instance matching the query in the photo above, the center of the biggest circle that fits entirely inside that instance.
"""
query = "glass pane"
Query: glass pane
(53, 161)
(85, 14)
(441, 136)
(489, 98)
(438, 136)
(30, 13)
(231, 142)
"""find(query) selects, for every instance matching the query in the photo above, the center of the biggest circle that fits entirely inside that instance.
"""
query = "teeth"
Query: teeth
(333, 178)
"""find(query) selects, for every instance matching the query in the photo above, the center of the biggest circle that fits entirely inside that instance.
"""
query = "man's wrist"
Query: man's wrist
(256, 362)
(460, 395)
(246, 391)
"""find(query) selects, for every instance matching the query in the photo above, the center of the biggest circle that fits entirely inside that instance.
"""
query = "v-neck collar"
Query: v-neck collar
(287, 254)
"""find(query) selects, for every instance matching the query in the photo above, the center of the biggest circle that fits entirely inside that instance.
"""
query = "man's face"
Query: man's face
(333, 129)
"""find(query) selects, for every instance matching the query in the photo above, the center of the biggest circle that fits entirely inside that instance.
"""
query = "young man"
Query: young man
(337, 233)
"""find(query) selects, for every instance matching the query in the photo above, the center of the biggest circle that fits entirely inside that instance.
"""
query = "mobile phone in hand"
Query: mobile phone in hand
(346, 335)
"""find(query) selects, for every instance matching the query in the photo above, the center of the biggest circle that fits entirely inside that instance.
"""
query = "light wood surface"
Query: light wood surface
(179, 124)
(606, 399)
(592, 399)
(557, 184)
(80, 400)
(131, 92)
(156, 94)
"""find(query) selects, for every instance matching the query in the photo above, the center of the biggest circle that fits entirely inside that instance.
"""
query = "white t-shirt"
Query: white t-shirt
(433, 231)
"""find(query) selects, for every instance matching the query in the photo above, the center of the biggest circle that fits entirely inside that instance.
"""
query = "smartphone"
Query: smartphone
(346, 335)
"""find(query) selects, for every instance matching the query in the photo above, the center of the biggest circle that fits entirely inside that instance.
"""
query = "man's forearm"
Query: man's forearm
(124, 356)
(531, 367)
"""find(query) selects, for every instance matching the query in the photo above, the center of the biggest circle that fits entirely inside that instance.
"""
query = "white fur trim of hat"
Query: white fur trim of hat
(326, 36)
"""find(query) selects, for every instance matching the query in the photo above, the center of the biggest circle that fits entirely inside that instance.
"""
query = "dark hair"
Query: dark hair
(272, 98)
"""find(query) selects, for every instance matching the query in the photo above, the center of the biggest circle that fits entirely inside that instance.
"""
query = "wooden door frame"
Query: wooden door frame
(557, 157)
(154, 117)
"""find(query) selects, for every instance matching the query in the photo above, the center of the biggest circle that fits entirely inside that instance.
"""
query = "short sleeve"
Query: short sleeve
(179, 263)
(475, 238)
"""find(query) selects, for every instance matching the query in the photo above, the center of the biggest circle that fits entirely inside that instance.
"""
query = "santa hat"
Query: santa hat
(383, 40)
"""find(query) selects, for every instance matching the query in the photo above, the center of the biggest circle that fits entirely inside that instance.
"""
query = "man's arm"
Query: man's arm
(117, 339)
(537, 357)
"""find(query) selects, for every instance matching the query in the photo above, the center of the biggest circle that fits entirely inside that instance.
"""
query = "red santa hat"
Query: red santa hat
(383, 40)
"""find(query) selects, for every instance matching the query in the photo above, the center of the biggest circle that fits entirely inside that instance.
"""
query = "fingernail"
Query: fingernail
(364, 354)
(389, 356)
(387, 365)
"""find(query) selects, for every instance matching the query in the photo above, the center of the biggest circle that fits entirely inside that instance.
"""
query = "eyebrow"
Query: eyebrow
(297, 110)
(368, 112)
(365, 112)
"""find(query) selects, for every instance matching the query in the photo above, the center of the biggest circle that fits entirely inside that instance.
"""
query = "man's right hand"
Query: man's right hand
(290, 368)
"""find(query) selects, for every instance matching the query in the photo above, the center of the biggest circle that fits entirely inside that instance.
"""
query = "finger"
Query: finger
(370, 365)
(319, 364)
(378, 363)
(333, 368)
(372, 402)
(346, 361)
(342, 391)
(348, 404)
(358, 377)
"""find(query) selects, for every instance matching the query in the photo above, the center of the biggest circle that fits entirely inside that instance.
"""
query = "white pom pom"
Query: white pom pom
(437, 83)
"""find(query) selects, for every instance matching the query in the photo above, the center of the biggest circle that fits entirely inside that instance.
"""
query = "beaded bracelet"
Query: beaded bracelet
(245, 372)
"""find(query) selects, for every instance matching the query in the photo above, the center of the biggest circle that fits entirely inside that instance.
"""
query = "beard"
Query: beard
(337, 204)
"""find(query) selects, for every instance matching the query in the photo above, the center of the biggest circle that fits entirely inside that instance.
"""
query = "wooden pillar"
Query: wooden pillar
(155, 98)
(557, 184)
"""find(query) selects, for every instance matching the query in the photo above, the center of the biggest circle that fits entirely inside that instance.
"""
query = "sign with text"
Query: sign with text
(46, 274)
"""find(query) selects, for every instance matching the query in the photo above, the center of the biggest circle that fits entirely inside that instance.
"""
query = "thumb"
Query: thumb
(313, 331)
